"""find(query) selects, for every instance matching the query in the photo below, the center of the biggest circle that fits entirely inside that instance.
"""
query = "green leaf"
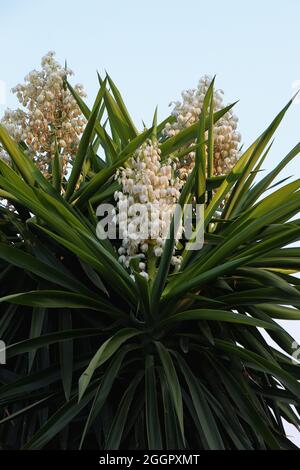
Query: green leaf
(218, 315)
(122, 107)
(60, 299)
(250, 414)
(59, 420)
(280, 312)
(143, 288)
(187, 135)
(119, 422)
(255, 155)
(185, 282)
(121, 129)
(256, 361)
(18, 157)
(94, 185)
(173, 383)
(151, 400)
(37, 320)
(204, 413)
(172, 433)
(107, 349)
(264, 184)
(28, 262)
(26, 386)
(44, 340)
(201, 158)
(104, 388)
(66, 353)
(84, 144)
(24, 410)
(57, 170)
(164, 265)
(105, 140)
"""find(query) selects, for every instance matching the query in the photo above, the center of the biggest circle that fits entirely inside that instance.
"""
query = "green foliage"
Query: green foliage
(97, 360)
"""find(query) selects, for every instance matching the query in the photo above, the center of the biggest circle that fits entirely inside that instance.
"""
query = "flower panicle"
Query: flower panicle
(50, 115)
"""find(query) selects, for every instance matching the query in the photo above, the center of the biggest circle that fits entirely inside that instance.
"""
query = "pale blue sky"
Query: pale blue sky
(154, 49)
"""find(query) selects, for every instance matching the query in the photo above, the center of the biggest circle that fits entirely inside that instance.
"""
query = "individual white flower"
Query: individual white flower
(145, 275)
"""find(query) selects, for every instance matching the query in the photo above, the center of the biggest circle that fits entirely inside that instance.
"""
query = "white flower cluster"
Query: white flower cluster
(14, 121)
(147, 184)
(226, 138)
(50, 115)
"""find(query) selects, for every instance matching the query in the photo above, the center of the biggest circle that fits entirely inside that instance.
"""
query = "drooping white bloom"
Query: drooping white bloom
(226, 137)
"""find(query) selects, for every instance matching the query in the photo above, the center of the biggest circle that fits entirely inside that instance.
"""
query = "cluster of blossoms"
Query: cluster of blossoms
(146, 181)
(149, 192)
(226, 138)
(150, 188)
(51, 116)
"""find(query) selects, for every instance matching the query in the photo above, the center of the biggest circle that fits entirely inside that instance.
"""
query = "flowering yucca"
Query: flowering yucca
(141, 342)
(226, 138)
(145, 180)
(51, 120)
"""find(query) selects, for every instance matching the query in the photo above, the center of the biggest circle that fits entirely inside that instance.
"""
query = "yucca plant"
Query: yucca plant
(102, 356)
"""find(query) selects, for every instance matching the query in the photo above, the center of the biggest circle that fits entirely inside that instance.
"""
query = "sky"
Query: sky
(154, 50)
